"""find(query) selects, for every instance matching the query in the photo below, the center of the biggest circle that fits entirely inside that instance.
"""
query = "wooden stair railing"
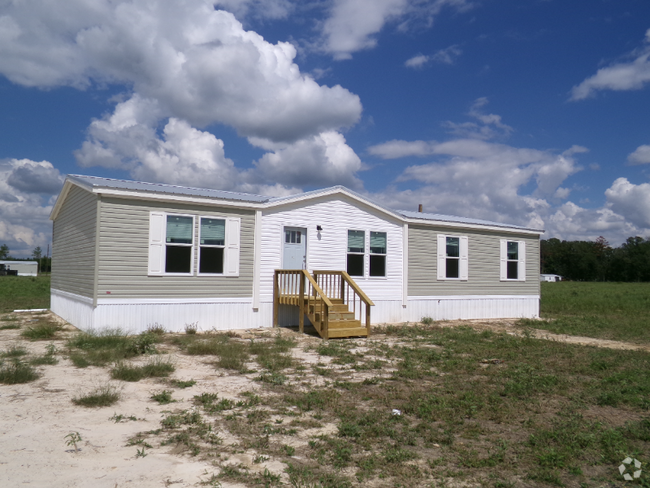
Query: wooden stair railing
(326, 299)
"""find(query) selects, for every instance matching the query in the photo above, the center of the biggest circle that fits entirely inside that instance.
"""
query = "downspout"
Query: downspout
(96, 274)
(405, 264)
(257, 249)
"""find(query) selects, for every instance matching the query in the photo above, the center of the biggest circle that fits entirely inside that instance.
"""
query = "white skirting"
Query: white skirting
(472, 307)
(135, 316)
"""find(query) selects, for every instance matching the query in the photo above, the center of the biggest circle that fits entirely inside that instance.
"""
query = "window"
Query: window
(178, 241)
(172, 245)
(513, 260)
(292, 236)
(453, 262)
(377, 254)
(212, 242)
(356, 250)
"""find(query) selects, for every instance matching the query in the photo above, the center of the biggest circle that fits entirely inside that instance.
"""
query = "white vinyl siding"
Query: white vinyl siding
(463, 258)
(328, 249)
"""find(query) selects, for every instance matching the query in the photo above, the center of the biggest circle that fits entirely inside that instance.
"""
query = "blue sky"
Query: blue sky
(530, 112)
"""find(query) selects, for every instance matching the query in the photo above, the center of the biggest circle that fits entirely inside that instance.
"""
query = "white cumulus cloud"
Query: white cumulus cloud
(27, 190)
(353, 24)
(641, 155)
(627, 75)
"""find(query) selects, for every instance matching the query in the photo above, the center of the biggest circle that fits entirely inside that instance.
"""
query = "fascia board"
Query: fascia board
(175, 198)
(305, 197)
(69, 182)
(461, 225)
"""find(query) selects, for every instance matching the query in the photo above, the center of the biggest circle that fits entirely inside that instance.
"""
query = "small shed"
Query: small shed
(549, 277)
(24, 268)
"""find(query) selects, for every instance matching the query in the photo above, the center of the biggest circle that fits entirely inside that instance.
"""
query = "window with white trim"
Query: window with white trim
(212, 242)
(179, 244)
(172, 245)
(377, 253)
(513, 260)
(356, 252)
(453, 257)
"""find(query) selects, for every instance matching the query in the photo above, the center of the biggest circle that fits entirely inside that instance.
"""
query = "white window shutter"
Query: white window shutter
(521, 265)
(464, 258)
(157, 231)
(504, 260)
(442, 256)
(231, 254)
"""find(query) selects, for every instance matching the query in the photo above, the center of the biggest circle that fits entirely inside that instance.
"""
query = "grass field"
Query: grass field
(617, 311)
(24, 292)
(415, 406)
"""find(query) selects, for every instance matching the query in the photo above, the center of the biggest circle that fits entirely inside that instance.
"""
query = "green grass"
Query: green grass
(615, 311)
(99, 348)
(16, 372)
(163, 397)
(42, 330)
(102, 396)
(156, 367)
(544, 414)
(24, 292)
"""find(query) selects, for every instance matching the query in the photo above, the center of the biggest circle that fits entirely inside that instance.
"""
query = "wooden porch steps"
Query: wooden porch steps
(330, 299)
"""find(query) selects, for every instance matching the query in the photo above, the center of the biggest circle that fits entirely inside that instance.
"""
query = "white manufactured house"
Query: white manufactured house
(550, 277)
(130, 254)
(24, 268)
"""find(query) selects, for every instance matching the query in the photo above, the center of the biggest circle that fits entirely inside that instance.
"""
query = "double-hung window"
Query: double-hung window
(377, 254)
(212, 242)
(175, 240)
(513, 260)
(356, 252)
(453, 257)
(360, 252)
(179, 240)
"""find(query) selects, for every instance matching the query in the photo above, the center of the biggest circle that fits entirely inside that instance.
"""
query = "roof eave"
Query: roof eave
(464, 225)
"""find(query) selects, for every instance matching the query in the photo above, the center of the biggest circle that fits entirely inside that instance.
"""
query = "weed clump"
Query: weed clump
(17, 372)
(156, 367)
(98, 348)
(103, 396)
(41, 331)
(163, 397)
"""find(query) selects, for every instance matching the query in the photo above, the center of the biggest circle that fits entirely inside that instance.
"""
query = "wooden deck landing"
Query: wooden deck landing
(334, 309)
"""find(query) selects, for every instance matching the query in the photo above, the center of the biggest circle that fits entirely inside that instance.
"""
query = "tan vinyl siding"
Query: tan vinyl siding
(484, 262)
(124, 251)
(73, 244)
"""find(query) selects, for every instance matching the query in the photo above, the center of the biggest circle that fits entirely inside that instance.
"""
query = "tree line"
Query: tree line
(44, 262)
(597, 260)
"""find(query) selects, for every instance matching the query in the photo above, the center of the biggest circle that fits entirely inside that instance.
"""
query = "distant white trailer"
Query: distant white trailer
(24, 268)
(550, 277)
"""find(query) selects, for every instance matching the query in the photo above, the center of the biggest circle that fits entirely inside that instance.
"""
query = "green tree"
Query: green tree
(37, 253)
(4, 251)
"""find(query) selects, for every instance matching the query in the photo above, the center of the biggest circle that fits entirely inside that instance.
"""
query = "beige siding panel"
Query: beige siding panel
(124, 251)
(484, 259)
(73, 244)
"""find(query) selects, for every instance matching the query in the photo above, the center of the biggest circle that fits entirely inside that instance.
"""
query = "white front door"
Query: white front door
(294, 255)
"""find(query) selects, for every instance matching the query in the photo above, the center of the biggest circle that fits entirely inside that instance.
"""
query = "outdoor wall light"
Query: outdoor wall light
(319, 228)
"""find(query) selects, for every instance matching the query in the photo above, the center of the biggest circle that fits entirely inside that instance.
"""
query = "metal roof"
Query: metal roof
(97, 182)
(461, 220)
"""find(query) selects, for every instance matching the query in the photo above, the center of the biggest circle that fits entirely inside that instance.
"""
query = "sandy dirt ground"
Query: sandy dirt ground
(36, 417)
